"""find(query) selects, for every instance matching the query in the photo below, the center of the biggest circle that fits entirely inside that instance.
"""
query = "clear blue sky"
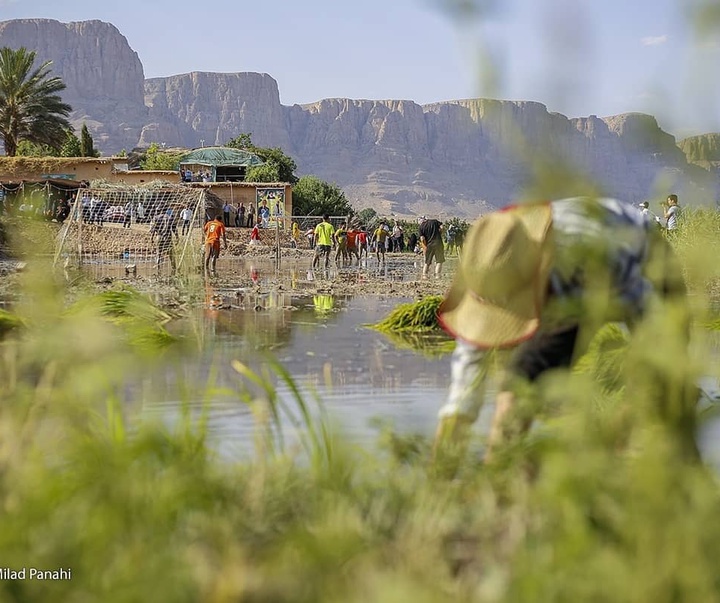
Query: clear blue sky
(578, 57)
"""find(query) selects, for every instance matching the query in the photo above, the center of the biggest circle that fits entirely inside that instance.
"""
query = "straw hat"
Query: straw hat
(498, 293)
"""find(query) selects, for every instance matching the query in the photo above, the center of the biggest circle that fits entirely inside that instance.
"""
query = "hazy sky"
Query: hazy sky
(578, 57)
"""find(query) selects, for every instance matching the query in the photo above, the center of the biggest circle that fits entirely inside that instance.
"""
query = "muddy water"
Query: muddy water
(356, 372)
(312, 322)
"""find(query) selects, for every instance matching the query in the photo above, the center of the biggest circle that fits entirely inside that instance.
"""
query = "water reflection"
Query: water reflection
(321, 341)
(250, 271)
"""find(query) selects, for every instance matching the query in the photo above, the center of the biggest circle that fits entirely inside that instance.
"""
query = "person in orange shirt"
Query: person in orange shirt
(214, 229)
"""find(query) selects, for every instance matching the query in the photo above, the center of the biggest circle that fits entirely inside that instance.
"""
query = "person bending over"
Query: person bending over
(524, 282)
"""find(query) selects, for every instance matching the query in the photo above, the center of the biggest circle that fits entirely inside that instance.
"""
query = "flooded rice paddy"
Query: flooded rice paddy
(323, 343)
(314, 322)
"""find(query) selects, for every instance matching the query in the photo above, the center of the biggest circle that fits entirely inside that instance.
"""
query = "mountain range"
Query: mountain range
(457, 157)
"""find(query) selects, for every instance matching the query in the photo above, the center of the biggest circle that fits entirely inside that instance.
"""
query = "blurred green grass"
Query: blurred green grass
(598, 502)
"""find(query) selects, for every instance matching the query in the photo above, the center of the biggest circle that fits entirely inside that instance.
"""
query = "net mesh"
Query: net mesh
(112, 230)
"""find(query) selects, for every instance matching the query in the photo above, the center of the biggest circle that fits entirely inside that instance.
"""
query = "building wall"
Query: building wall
(37, 168)
(138, 177)
(114, 169)
(246, 192)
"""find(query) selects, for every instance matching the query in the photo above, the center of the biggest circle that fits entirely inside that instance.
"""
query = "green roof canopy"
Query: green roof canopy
(221, 156)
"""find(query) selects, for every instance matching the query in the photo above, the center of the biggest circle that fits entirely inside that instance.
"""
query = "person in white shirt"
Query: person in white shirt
(186, 217)
(672, 212)
(645, 209)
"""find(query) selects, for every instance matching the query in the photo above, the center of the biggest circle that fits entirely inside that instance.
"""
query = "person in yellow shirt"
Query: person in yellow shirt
(341, 240)
(295, 236)
(380, 238)
(323, 241)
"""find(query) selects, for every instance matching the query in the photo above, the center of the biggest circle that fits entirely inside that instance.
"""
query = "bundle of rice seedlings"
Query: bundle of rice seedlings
(125, 302)
(415, 317)
(429, 344)
(135, 313)
(9, 322)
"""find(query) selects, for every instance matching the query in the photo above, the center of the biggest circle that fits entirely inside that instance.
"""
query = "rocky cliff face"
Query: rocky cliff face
(104, 76)
(449, 158)
(214, 107)
(705, 147)
(704, 151)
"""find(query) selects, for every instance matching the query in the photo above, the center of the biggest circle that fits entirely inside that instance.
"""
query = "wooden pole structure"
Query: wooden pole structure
(277, 242)
(81, 219)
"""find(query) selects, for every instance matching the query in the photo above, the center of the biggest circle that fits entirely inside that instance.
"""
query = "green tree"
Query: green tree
(313, 196)
(284, 165)
(157, 159)
(87, 145)
(267, 172)
(30, 107)
(71, 146)
(26, 148)
(367, 215)
(243, 142)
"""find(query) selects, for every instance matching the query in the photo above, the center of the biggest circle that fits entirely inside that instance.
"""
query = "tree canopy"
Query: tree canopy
(87, 145)
(157, 159)
(283, 165)
(30, 107)
(313, 196)
(367, 215)
(71, 146)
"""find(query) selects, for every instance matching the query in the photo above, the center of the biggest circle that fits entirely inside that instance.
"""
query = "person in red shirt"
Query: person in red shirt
(255, 234)
(352, 249)
(361, 243)
(214, 229)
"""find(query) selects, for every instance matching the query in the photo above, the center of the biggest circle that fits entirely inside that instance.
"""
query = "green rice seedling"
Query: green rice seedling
(141, 319)
(415, 326)
(9, 322)
(427, 344)
(415, 317)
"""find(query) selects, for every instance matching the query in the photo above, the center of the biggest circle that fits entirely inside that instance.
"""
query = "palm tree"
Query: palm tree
(30, 108)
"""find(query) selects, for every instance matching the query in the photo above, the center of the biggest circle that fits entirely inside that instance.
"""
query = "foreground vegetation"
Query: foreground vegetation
(596, 504)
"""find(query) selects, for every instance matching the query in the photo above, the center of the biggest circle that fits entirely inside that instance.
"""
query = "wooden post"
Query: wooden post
(81, 219)
(277, 242)
(66, 227)
(199, 203)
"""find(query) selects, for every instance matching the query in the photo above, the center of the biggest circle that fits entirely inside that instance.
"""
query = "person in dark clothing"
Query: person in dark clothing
(431, 241)
(164, 229)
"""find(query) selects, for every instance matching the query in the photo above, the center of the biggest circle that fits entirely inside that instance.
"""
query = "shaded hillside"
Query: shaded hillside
(703, 148)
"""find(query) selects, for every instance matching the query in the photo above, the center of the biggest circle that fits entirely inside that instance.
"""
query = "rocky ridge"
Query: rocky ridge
(447, 158)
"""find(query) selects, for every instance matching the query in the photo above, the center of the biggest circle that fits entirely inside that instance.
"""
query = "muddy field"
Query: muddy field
(240, 268)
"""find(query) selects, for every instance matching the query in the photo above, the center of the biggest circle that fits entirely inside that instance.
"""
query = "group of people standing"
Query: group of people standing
(244, 217)
(671, 213)
(355, 242)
